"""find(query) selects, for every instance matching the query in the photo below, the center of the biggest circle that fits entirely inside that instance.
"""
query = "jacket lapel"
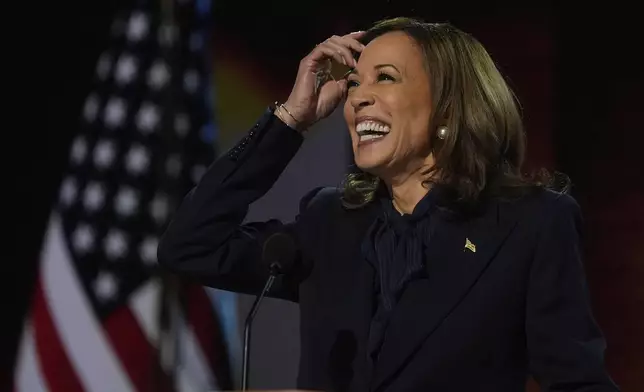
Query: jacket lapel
(459, 253)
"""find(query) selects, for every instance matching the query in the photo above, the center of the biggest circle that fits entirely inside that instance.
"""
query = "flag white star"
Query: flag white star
(137, 160)
(138, 26)
(94, 196)
(158, 75)
(148, 117)
(68, 191)
(159, 208)
(191, 81)
(126, 202)
(79, 150)
(83, 238)
(148, 250)
(114, 114)
(167, 34)
(173, 165)
(126, 69)
(182, 124)
(115, 244)
(90, 109)
(104, 153)
(103, 66)
(197, 172)
(105, 286)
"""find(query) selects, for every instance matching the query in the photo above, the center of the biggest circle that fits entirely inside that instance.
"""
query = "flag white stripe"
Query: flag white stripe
(144, 304)
(184, 382)
(89, 351)
(193, 372)
(193, 359)
(29, 377)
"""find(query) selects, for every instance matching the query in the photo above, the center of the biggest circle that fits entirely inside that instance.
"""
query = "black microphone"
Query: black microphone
(279, 255)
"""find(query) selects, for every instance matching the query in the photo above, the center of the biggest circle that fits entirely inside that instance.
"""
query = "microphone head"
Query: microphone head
(279, 252)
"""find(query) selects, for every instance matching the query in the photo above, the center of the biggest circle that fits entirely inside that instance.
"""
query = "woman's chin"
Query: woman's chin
(371, 165)
(372, 157)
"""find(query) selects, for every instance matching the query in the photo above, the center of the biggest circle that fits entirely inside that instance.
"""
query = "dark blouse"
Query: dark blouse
(395, 246)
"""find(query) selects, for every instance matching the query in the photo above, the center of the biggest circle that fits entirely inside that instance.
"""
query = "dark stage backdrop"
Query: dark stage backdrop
(574, 71)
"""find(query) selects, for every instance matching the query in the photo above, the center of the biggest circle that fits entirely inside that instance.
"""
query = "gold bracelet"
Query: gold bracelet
(281, 106)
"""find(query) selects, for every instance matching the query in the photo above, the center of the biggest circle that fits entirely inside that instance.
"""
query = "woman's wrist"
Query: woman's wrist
(283, 113)
(279, 113)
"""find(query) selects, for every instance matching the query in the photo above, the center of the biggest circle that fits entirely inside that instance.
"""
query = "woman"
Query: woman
(437, 266)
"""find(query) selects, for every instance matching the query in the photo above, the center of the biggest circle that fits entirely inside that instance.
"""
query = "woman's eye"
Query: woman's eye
(383, 76)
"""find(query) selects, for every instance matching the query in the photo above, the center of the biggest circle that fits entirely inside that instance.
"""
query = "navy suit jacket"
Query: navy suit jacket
(489, 315)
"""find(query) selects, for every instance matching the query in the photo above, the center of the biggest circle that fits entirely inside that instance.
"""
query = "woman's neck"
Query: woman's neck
(406, 193)
(408, 186)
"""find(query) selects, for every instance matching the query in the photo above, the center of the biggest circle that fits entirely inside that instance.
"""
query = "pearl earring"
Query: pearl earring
(441, 132)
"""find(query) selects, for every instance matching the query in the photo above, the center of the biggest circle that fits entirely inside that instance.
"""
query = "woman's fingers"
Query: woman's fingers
(344, 52)
(326, 51)
(354, 35)
(339, 49)
(350, 41)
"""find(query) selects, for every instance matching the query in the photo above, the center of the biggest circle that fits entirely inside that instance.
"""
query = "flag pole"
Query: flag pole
(169, 316)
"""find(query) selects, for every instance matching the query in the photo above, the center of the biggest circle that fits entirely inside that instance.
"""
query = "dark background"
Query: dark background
(576, 70)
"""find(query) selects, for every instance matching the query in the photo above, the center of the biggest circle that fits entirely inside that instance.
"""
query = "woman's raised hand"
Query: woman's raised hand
(315, 93)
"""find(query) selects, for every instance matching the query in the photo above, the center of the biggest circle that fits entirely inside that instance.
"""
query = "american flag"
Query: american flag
(102, 317)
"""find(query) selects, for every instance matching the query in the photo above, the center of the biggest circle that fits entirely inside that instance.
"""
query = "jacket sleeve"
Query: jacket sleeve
(206, 240)
(566, 346)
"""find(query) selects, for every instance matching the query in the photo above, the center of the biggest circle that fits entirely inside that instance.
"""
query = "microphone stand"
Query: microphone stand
(274, 272)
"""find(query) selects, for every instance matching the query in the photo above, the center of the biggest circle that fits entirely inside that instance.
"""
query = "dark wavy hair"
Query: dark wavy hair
(485, 147)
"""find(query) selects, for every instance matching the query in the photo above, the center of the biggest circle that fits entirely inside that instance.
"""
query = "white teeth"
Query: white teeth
(364, 138)
(372, 126)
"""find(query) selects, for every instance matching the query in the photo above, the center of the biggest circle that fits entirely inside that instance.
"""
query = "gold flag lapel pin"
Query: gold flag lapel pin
(469, 245)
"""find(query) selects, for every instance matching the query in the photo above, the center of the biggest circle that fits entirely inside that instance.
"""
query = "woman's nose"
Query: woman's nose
(361, 98)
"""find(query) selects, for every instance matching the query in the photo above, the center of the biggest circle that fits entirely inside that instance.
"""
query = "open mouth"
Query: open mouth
(371, 131)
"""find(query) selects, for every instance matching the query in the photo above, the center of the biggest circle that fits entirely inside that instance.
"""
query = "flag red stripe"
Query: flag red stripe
(203, 320)
(57, 370)
(132, 348)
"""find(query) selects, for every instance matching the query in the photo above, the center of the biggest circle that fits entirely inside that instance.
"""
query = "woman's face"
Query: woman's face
(388, 107)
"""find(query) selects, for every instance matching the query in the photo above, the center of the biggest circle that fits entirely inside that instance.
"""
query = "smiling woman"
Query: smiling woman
(389, 107)
(415, 75)
(437, 266)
